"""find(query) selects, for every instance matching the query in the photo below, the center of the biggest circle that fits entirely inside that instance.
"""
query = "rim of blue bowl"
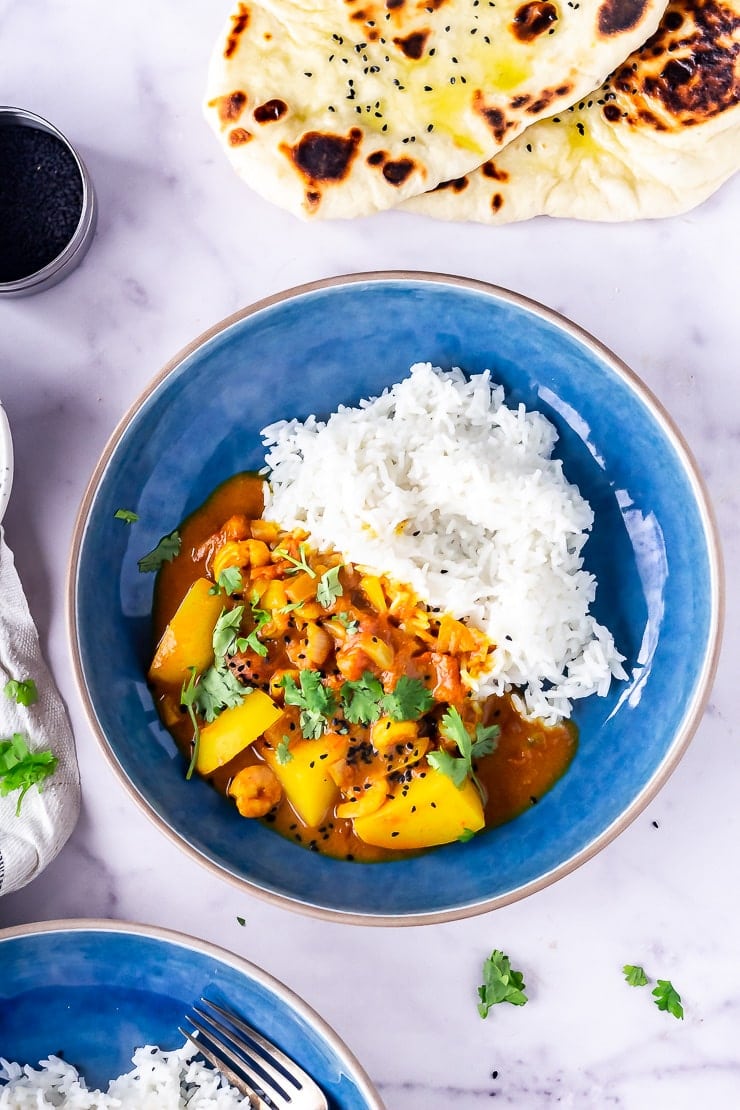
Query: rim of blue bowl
(286, 995)
(695, 708)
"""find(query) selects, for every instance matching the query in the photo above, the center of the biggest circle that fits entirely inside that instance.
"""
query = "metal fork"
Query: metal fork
(255, 1066)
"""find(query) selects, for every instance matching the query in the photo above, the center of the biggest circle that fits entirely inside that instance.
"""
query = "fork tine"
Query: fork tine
(293, 1072)
(258, 1071)
(236, 1080)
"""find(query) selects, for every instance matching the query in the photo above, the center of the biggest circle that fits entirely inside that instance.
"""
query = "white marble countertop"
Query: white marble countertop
(182, 243)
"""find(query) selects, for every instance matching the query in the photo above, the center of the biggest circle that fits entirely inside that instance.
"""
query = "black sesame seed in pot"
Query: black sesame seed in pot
(41, 197)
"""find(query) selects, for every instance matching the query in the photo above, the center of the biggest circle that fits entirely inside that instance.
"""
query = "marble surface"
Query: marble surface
(181, 243)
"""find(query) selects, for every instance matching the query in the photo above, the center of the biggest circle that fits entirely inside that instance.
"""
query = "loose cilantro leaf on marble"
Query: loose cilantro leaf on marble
(361, 699)
(501, 983)
(165, 551)
(635, 975)
(126, 515)
(315, 701)
(329, 588)
(408, 701)
(22, 691)
(667, 998)
(20, 768)
(241, 920)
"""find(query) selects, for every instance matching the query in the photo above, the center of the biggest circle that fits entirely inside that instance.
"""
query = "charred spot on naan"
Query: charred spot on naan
(270, 111)
(323, 157)
(457, 185)
(230, 106)
(686, 71)
(617, 16)
(533, 19)
(239, 23)
(238, 136)
(490, 169)
(493, 116)
(413, 45)
(395, 170)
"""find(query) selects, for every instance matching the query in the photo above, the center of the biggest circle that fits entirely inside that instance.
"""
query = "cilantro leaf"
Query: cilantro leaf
(298, 564)
(241, 920)
(361, 699)
(20, 768)
(218, 689)
(226, 632)
(500, 983)
(409, 700)
(188, 694)
(635, 975)
(165, 551)
(126, 515)
(466, 835)
(22, 691)
(667, 998)
(446, 764)
(351, 625)
(453, 728)
(283, 754)
(229, 580)
(315, 701)
(329, 588)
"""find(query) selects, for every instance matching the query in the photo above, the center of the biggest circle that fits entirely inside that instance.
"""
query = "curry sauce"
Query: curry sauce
(422, 648)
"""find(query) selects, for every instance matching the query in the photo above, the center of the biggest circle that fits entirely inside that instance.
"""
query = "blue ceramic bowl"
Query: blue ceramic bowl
(96, 990)
(653, 548)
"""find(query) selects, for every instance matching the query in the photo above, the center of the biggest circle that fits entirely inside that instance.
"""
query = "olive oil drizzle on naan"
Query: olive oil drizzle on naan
(659, 136)
(337, 108)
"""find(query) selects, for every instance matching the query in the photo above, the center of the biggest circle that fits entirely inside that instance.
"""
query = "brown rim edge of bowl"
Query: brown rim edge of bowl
(224, 955)
(692, 716)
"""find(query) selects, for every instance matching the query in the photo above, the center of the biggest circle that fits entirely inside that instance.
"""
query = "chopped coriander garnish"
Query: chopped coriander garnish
(329, 588)
(126, 515)
(283, 754)
(635, 975)
(316, 702)
(218, 689)
(241, 920)
(667, 998)
(361, 699)
(300, 563)
(466, 835)
(458, 769)
(22, 691)
(165, 551)
(20, 768)
(351, 625)
(226, 632)
(229, 580)
(500, 983)
(188, 694)
(408, 700)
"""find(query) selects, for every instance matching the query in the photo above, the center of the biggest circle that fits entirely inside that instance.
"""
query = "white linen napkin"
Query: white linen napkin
(30, 839)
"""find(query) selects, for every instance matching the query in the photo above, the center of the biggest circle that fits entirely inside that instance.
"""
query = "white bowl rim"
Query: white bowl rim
(251, 971)
(694, 709)
(6, 461)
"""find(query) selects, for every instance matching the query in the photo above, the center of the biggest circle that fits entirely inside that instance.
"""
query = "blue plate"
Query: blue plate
(93, 991)
(653, 548)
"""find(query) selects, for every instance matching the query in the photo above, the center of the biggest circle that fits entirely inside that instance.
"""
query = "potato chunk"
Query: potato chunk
(187, 640)
(433, 811)
(234, 729)
(304, 778)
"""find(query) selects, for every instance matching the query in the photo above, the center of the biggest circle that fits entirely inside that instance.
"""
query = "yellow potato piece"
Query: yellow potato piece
(434, 811)
(187, 640)
(305, 780)
(234, 729)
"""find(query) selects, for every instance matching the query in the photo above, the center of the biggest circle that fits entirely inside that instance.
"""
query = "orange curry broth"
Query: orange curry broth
(528, 760)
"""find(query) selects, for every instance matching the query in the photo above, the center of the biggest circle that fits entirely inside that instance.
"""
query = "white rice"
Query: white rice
(438, 484)
(158, 1081)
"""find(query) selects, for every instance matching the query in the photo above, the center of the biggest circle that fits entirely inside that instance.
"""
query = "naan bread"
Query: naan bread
(337, 108)
(656, 139)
